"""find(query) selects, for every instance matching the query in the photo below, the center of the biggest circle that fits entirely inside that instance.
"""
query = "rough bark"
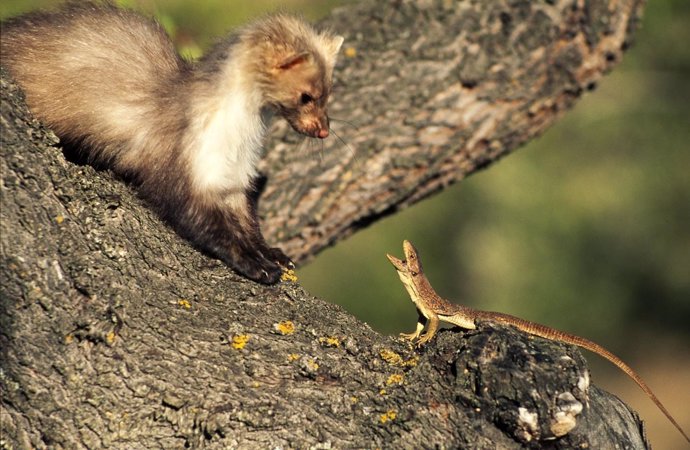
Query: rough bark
(115, 333)
(436, 90)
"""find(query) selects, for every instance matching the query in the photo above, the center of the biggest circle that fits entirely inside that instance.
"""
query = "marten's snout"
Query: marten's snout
(315, 125)
(323, 132)
(311, 125)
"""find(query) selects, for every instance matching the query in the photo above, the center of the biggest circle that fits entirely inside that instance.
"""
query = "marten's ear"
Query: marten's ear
(333, 45)
(330, 46)
(294, 60)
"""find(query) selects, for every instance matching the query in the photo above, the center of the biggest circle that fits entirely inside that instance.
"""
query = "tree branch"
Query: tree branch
(436, 90)
(115, 333)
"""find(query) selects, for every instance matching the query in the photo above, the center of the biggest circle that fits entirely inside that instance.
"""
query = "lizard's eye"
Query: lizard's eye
(305, 98)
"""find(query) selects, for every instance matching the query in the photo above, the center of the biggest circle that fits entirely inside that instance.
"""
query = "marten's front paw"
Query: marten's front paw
(277, 255)
(267, 275)
(262, 271)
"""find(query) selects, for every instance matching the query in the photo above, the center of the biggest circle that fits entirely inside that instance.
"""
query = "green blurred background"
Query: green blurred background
(586, 229)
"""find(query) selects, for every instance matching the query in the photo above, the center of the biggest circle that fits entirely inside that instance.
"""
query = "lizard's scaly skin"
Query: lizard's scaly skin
(434, 309)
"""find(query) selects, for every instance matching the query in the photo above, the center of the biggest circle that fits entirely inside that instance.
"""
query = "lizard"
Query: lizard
(433, 309)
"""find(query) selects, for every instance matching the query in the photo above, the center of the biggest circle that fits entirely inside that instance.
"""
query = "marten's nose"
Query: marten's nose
(323, 133)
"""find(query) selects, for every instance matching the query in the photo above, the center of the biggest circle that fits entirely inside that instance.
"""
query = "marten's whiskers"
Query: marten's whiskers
(312, 147)
(348, 146)
(321, 147)
(345, 122)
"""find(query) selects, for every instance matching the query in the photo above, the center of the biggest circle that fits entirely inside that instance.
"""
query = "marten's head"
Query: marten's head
(296, 70)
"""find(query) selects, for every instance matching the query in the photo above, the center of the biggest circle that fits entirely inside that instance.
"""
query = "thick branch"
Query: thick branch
(437, 90)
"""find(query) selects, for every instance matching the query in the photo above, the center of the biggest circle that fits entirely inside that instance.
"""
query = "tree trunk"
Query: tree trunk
(115, 333)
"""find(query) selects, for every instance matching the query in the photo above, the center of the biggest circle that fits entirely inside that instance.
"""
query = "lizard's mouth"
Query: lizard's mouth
(402, 265)
(399, 264)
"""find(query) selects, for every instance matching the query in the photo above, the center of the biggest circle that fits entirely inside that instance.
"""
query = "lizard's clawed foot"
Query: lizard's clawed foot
(415, 334)
(424, 339)
(409, 336)
(414, 339)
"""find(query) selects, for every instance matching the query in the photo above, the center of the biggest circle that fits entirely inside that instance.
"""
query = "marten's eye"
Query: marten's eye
(306, 98)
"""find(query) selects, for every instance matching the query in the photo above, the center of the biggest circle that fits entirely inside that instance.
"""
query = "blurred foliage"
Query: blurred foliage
(193, 25)
(585, 228)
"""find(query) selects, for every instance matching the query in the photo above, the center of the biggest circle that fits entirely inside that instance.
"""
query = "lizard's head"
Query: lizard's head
(411, 265)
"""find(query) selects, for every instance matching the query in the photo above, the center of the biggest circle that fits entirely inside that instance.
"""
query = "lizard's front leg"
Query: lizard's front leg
(414, 335)
(420, 326)
(430, 331)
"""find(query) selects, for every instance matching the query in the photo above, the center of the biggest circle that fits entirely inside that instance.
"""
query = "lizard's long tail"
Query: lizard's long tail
(557, 335)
